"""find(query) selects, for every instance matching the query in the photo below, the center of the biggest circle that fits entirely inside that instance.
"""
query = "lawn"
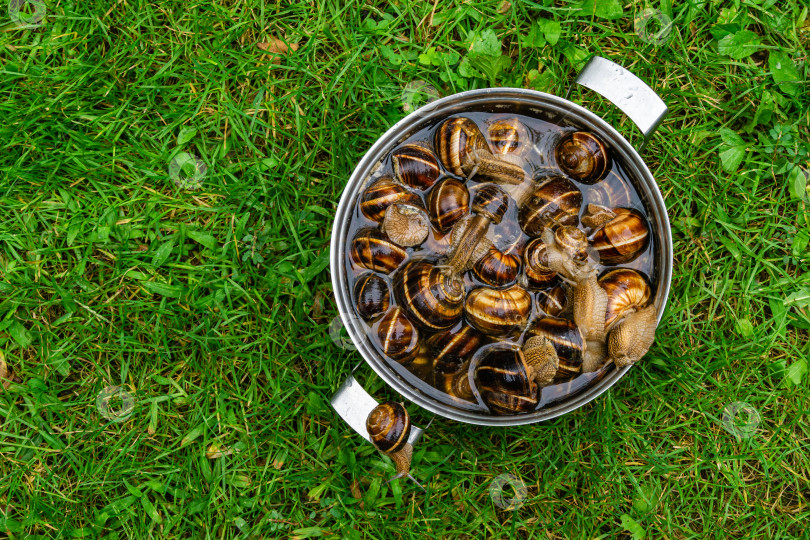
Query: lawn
(168, 177)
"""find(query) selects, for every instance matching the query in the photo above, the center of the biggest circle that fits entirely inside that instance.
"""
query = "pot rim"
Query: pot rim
(453, 104)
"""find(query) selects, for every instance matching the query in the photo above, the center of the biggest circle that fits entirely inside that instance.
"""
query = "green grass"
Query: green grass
(211, 306)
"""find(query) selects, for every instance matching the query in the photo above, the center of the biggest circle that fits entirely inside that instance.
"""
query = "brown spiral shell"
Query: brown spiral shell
(389, 426)
(627, 290)
(491, 201)
(373, 250)
(371, 296)
(573, 241)
(382, 194)
(567, 341)
(433, 299)
(552, 301)
(398, 337)
(555, 201)
(504, 383)
(623, 238)
(535, 259)
(583, 157)
(612, 192)
(455, 141)
(497, 268)
(415, 166)
(453, 347)
(496, 312)
(508, 136)
(447, 202)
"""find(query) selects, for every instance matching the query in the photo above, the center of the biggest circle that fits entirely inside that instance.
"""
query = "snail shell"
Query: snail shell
(433, 299)
(567, 341)
(448, 202)
(405, 225)
(555, 201)
(398, 337)
(572, 241)
(371, 296)
(389, 426)
(458, 233)
(622, 238)
(552, 301)
(497, 268)
(583, 157)
(498, 312)
(509, 136)
(382, 194)
(490, 201)
(612, 192)
(627, 291)
(415, 166)
(451, 348)
(373, 250)
(504, 382)
(535, 258)
(457, 139)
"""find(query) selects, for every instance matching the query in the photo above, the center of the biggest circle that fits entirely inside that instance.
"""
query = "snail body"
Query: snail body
(448, 202)
(432, 298)
(464, 152)
(489, 204)
(382, 194)
(371, 296)
(632, 337)
(583, 157)
(373, 250)
(554, 201)
(405, 225)
(497, 312)
(626, 290)
(623, 238)
(567, 340)
(389, 427)
(415, 166)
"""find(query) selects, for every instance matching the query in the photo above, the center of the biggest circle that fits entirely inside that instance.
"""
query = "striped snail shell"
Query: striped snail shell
(389, 426)
(490, 201)
(432, 298)
(612, 192)
(453, 347)
(583, 157)
(497, 312)
(464, 152)
(572, 241)
(567, 341)
(504, 382)
(371, 296)
(509, 136)
(382, 194)
(405, 225)
(555, 201)
(627, 291)
(447, 202)
(398, 337)
(497, 268)
(535, 259)
(552, 301)
(415, 166)
(373, 250)
(623, 238)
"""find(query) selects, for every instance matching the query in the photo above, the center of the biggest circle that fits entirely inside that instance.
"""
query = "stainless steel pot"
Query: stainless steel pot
(625, 90)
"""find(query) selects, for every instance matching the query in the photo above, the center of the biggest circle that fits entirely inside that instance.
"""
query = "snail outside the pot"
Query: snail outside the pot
(389, 427)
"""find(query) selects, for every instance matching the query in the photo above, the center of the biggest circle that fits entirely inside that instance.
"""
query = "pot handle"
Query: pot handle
(354, 404)
(629, 93)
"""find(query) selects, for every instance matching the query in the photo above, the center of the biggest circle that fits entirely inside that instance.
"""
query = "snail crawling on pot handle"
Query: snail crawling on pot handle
(389, 427)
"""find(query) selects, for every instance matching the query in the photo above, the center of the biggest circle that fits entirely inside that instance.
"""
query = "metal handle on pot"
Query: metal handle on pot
(629, 93)
(354, 404)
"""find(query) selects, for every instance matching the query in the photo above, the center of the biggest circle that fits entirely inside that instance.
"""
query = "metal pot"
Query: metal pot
(625, 90)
